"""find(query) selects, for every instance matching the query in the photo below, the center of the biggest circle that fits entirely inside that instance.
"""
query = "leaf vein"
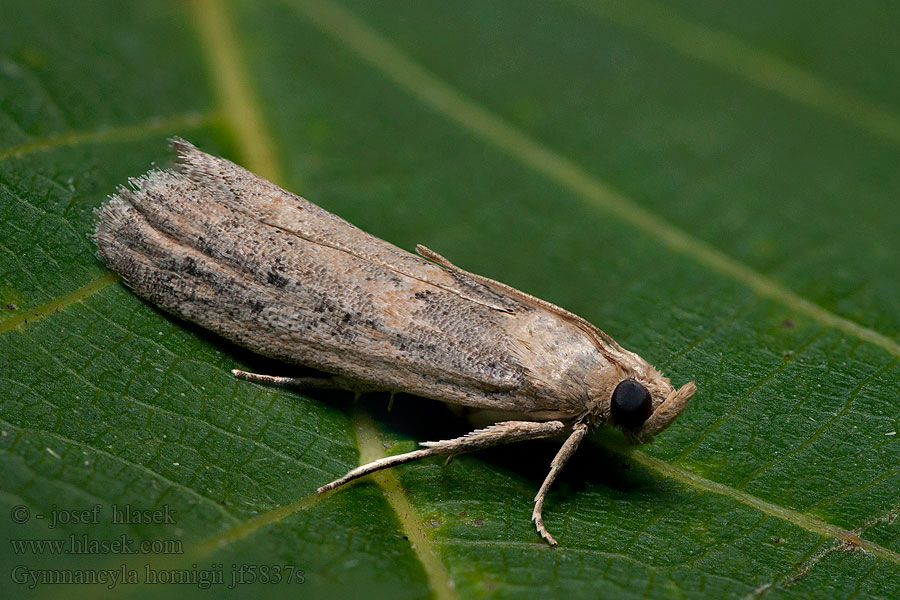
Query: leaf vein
(744, 60)
(244, 115)
(824, 427)
(125, 462)
(785, 361)
(373, 48)
(118, 133)
(798, 518)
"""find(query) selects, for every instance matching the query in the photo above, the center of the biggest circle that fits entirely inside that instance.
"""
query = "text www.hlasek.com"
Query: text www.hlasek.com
(83, 544)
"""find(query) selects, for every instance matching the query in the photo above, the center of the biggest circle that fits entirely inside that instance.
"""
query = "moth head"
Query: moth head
(643, 403)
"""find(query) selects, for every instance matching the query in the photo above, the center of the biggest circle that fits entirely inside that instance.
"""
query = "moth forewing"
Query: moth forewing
(217, 245)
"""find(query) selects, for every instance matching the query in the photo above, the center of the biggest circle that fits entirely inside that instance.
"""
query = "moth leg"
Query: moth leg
(564, 454)
(322, 383)
(499, 433)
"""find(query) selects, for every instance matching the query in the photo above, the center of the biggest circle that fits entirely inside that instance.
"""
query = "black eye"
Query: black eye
(631, 404)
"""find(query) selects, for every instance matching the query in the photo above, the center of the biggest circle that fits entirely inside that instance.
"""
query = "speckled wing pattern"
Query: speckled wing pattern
(219, 246)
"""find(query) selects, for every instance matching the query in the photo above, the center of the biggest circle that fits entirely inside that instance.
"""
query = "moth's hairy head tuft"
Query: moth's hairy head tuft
(664, 414)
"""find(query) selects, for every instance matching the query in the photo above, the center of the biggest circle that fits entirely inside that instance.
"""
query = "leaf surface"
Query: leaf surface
(715, 186)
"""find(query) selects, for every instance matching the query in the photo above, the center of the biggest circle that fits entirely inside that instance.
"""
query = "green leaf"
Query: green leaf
(714, 185)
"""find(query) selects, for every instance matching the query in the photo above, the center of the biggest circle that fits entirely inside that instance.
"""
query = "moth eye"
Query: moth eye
(631, 404)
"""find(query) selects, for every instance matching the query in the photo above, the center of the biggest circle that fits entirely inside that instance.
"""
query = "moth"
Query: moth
(224, 248)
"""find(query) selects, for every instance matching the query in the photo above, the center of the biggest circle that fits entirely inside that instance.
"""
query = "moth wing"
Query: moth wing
(220, 246)
(285, 211)
(605, 343)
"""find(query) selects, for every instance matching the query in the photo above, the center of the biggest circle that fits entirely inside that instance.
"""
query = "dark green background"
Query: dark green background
(715, 185)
